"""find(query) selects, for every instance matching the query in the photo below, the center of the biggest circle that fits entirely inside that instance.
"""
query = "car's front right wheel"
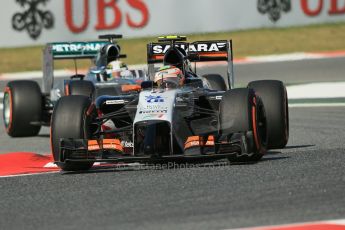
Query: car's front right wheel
(70, 120)
(274, 97)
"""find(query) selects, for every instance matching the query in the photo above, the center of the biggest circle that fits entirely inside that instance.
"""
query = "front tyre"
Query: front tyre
(274, 97)
(70, 120)
(242, 118)
(22, 111)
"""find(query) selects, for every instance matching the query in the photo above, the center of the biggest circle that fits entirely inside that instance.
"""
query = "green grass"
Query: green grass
(246, 43)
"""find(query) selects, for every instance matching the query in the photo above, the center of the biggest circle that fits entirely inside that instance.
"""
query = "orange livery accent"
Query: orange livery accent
(213, 54)
(210, 141)
(198, 141)
(158, 57)
(107, 144)
(193, 138)
(128, 88)
(193, 141)
(92, 145)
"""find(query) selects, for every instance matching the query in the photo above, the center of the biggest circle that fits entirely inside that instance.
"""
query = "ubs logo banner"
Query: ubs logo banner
(274, 8)
(37, 22)
(32, 18)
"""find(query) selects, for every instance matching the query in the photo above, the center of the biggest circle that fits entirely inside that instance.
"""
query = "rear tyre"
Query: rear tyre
(70, 120)
(242, 116)
(22, 106)
(216, 81)
(80, 87)
(274, 97)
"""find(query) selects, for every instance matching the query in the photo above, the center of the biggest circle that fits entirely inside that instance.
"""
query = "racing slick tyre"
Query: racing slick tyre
(242, 119)
(69, 120)
(216, 81)
(274, 97)
(22, 108)
(80, 87)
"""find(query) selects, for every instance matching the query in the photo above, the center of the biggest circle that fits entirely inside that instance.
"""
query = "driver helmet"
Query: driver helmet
(118, 69)
(169, 76)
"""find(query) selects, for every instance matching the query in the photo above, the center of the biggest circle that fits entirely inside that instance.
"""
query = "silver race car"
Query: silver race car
(177, 116)
(27, 107)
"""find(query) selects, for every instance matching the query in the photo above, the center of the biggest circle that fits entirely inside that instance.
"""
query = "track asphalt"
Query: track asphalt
(303, 182)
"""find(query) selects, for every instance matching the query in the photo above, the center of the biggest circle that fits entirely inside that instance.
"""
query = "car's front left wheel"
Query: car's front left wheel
(242, 120)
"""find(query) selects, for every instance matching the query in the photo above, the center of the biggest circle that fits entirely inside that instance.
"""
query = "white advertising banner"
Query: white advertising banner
(36, 22)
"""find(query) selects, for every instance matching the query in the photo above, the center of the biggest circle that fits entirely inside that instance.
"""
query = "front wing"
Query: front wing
(112, 151)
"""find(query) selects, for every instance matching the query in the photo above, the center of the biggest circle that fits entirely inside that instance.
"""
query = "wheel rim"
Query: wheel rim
(7, 110)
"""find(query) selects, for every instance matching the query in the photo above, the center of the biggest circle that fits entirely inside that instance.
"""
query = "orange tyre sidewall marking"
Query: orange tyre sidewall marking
(9, 92)
(67, 90)
(254, 120)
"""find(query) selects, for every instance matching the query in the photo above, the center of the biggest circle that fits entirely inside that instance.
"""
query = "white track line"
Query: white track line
(34, 75)
(341, 222)
(311, 105)
(317, 90)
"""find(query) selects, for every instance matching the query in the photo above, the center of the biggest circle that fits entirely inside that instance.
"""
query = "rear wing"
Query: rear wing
(199, 51)
(75, 50)
(196, 51)
(65, 50)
